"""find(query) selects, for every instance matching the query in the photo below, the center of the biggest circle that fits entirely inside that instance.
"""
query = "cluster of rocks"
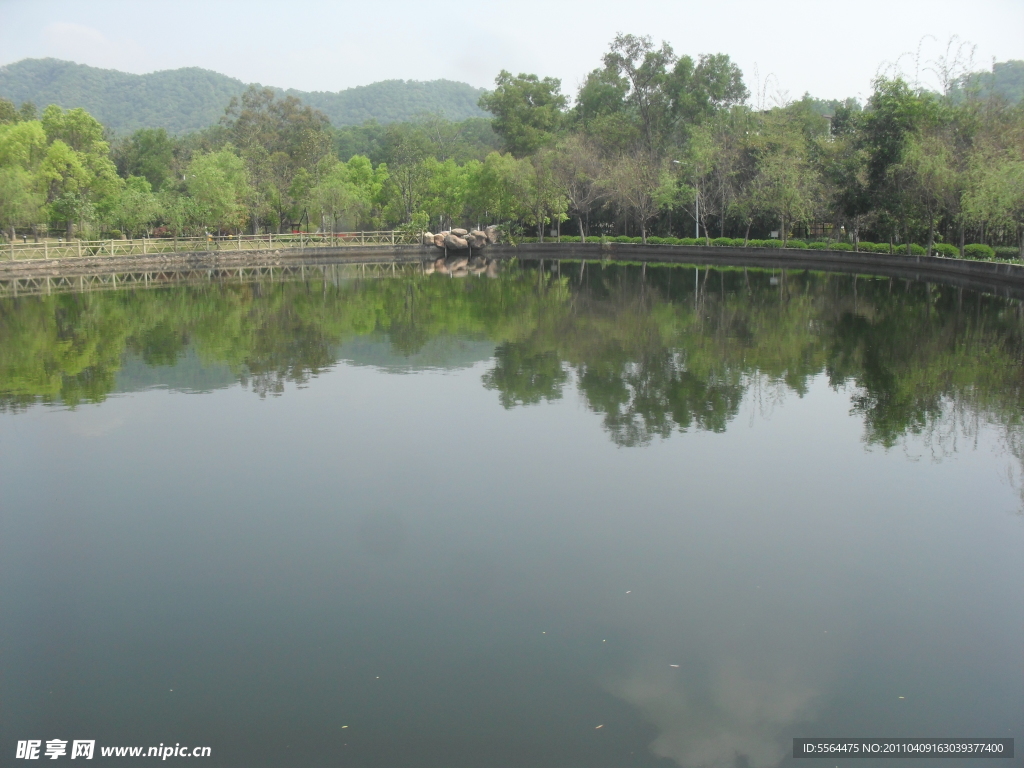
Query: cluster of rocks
(462, 239)
(461, 266)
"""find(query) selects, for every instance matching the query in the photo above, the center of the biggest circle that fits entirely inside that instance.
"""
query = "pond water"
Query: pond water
(595, 516)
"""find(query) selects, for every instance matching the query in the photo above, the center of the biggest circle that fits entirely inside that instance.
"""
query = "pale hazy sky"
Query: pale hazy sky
(831, 49)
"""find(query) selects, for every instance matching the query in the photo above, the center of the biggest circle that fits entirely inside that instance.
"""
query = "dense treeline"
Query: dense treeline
(654, 145)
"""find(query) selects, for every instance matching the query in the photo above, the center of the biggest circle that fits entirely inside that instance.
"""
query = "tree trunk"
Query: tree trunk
(643, 232)
(931, 233)
(746, 235)
(961, 238)
(906, 234)
(583, 237)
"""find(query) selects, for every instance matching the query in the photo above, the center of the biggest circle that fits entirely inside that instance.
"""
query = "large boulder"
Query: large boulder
(428, 238)
(460, 232)
(477, 238)
(492, 233)
(438, 240)
(455, 243)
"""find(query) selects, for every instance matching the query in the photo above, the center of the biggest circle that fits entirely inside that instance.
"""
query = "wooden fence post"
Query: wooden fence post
(46, 249)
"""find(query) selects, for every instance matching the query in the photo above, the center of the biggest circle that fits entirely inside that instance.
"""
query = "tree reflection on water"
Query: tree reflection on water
(653, 350)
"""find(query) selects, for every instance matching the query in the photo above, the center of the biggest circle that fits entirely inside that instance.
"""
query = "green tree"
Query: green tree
(646, 69)
(148, 152)
(20, 203)
(700, 90)
(637, 183)
(218, 184)
(894, 113)
(137, 207)
(582, 178)
(995, 192)
(528, 111)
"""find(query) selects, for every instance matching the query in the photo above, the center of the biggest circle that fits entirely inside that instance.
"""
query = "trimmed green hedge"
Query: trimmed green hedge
(945, 249)
(978, 251)
(972, 251)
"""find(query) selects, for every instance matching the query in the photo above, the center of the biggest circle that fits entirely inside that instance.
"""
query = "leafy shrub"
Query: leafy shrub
(672, 241)
(114, 234)
(945, 249)
(727, 242)
(771, 243)
(570, 238)
(818, 245)
(796, 244)
(1006, 251)
(755, 243)
(900, 249)
(868, 247)
(689, 241)
(978, 251)
(840, 246)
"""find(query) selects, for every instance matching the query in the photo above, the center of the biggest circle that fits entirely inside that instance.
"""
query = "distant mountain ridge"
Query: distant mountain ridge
(190, 99)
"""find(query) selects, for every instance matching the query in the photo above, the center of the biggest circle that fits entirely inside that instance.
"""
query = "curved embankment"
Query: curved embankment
(994, 277)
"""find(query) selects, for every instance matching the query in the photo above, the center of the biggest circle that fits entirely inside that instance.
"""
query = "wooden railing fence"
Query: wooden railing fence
(67, 249)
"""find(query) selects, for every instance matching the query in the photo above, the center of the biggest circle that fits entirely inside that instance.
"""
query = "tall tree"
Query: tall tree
(528, 111)
(646, 68)
(581, 175)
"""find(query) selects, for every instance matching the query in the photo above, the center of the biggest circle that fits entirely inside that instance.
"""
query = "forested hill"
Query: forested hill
(189, 99)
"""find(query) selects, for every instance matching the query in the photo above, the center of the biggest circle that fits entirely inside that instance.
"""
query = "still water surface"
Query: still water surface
(610, 516)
